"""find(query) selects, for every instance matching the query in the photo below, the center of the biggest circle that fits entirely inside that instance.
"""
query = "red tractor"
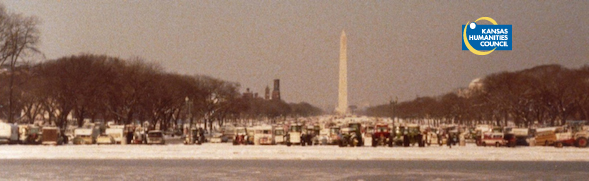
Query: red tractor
(382, 136)
(240, 136)
(572, 134)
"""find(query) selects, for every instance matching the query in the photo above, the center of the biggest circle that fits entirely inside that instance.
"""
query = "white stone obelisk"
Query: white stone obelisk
(342, 106)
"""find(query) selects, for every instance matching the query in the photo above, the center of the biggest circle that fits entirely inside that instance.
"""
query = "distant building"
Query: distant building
(276, 91)
(267, 93)
(248, 94)
(475, 85)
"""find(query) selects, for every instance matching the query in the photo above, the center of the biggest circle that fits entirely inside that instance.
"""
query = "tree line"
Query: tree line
(99, 87)
(546, 95)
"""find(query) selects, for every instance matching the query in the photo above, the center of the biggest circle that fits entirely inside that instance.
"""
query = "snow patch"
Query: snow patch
(280, 152)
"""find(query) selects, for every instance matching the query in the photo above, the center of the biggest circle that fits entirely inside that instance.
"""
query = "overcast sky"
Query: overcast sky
(395, 48)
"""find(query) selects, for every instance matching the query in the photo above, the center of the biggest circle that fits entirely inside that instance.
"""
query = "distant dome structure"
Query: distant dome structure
(476, 84)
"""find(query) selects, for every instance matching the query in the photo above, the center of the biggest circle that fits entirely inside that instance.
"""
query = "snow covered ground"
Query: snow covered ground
(281, 152)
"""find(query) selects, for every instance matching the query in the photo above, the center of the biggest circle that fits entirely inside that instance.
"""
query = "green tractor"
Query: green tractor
(351, 135)
(412, 136)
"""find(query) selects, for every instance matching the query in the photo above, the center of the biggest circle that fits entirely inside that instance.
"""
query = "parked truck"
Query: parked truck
(87, 134)
(294, 134)
(29, 134)
(117, 132)
(264, 135)
(8, 133)
(279, 135)
(524, 136)
(51, 136)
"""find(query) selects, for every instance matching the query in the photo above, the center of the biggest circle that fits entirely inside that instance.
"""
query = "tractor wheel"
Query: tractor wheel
(497, 144)
(406, 141)
(374, 143)
(558, 144)
(581, 142)
(343, 143)
(390, 143)
(512, 144)
(288, 143)
(483, 143)
(355, 142)
(302, 142)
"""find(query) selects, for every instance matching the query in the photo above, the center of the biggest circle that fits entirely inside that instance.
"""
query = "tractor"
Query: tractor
(412, 136)
(572, 134)
(381, 136)
(333, 137)
(351, 135)
(397, 135)
(309, 135)
(240, 136)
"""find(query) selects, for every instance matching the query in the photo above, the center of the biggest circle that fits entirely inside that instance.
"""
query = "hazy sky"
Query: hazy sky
(395, 48)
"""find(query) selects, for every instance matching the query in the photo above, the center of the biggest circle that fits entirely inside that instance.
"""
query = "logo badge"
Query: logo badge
(484, 39)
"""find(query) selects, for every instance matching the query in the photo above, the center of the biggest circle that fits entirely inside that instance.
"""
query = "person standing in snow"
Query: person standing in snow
(449, 139)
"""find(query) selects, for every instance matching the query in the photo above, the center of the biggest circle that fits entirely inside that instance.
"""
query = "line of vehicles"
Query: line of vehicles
(352, 134)
(89, 133)
(29, 134)
(573, 133)
(342, 134)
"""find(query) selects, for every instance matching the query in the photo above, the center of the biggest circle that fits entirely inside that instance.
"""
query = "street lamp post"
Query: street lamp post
(392, 105)
(189, 112)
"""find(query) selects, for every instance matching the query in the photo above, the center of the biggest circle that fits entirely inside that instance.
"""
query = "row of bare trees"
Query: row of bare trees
(107, 88)
(546, 95)
(98, 87)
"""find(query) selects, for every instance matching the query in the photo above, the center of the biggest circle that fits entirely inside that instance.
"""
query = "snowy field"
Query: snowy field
(281, 152)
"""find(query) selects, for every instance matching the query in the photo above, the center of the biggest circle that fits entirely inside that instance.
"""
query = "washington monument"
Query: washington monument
(342, 105)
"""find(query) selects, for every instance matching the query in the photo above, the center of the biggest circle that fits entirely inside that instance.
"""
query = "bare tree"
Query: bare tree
(18, 38)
